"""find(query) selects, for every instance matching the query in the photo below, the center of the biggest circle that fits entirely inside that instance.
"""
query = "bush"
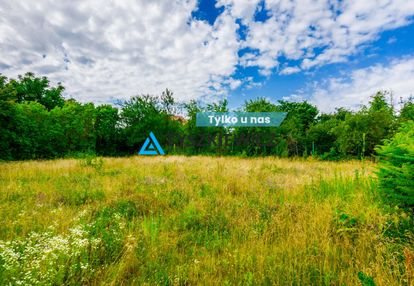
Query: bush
(396, 167)
(90, 160)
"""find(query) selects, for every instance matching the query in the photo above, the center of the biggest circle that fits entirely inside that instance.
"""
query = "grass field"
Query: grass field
(199, 220)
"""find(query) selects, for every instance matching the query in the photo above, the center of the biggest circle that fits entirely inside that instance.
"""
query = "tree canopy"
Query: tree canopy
(36, 121)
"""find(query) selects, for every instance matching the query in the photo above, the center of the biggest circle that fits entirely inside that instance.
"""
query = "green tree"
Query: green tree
(322, 135)
(7, 113)
(361, 131)
(168, 102)
(30, 125)
(396, 168)
(106, 129)
(204, 139)
(407, 111)
(300, 116)
(32, 88)
(255, 140)
(75, 123)
(142, 114)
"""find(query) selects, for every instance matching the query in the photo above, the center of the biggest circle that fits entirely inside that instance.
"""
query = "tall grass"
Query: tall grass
(199, 220)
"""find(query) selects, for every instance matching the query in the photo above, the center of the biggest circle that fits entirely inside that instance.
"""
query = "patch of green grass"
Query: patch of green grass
(176, 220)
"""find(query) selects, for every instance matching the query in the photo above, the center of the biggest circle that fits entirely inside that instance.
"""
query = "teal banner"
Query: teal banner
(239, 119)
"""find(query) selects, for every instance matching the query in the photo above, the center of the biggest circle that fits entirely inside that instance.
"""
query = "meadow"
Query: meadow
(178, 220)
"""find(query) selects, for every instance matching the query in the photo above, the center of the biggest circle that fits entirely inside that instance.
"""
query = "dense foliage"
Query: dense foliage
(396, 174)
(36, 121)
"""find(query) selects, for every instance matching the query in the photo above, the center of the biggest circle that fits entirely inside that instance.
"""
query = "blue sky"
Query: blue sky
(390, 45)
(330, 52)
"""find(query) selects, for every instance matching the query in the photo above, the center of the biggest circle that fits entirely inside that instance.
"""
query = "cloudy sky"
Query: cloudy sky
(332, 53)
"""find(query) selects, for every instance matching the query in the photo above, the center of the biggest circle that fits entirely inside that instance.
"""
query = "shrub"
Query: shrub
(91, 160)
(396, 167)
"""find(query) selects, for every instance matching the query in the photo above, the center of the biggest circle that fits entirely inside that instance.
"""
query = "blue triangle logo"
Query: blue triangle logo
(151, 146)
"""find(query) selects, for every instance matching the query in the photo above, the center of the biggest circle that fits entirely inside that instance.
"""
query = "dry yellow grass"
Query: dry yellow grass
(203, 220)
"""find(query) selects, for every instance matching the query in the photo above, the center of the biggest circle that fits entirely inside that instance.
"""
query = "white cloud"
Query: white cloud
(234, 83)
(356, 89)
(298, 28)
(244, 9)
(107, 49)
(290, 70)
(115, 49)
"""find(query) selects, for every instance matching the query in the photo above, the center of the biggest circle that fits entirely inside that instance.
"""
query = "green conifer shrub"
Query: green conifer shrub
(396, 167)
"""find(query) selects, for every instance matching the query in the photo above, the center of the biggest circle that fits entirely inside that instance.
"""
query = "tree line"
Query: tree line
(37, 122)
